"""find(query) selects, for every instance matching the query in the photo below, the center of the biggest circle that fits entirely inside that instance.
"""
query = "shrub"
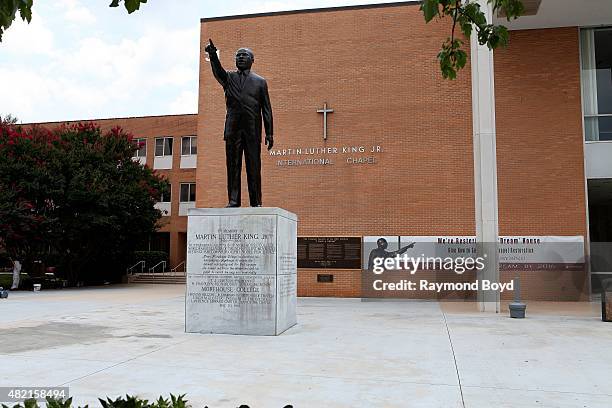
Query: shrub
(6, 281)
(128, 402)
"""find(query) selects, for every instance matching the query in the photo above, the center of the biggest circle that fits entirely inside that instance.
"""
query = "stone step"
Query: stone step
(158, 275)
(178, 279)
(158, 281)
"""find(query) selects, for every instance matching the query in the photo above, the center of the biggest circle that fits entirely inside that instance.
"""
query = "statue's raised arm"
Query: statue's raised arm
(217, 69)
(401, 250)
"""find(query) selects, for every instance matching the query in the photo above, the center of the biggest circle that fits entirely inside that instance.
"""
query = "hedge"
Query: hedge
(6, 281)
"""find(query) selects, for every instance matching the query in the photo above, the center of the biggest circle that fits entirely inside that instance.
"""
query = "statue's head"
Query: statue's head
(244, 58)
(382, 243)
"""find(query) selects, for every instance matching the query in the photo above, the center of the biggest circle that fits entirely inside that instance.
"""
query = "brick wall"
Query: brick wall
(540, 147)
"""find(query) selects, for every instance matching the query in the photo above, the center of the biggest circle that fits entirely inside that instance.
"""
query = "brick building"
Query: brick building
(399, 154)
(399, 158)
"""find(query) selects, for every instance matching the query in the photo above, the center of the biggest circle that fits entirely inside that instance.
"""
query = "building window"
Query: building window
(141, 144)
(189, 146)
(596, 50)
(163, 146)
(188, 192)
(166, 197)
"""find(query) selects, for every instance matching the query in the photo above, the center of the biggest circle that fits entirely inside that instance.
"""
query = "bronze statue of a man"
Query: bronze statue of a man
(247, 103)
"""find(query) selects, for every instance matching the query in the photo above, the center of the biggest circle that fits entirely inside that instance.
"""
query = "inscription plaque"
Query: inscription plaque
(241, 271)
(329, 252)
(325, 278)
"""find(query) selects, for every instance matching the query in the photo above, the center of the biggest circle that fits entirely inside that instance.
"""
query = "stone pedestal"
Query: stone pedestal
(241, 271)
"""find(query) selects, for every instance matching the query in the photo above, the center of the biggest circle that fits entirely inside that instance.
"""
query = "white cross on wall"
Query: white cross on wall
(325, 111)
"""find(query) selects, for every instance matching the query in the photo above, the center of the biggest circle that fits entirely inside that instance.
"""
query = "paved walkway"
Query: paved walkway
(343, 353)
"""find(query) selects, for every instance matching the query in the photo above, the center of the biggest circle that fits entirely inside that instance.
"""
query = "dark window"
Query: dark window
(189, 145)
(188, 192)
(605, 128)
(603, 64)
(141, 144)
(159, 241)
(159, 147)
(167, 146)
(163, 146)
(596, 56)
(166, 197)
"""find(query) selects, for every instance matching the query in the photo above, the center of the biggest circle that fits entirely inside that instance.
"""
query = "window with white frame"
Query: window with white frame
(188, 192)
(163, 146)
(189, 146)
(596, 61)
(166, 196)
(141, 144)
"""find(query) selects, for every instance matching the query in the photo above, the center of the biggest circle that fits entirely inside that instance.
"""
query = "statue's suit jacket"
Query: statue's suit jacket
(247, 102)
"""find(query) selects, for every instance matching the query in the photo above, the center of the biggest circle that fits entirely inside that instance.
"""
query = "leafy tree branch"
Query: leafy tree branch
(469, 16)
(9, 9)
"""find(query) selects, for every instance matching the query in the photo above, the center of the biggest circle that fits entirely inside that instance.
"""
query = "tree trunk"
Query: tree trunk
(16, 274)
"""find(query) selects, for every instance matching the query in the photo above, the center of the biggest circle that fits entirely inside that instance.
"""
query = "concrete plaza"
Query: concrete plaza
(343, 353)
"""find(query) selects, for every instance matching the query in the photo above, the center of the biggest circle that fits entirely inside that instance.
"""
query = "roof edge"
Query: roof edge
(313, 10)
(99, 119)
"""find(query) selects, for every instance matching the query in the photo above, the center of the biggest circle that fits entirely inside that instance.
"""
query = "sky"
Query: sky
(80, 59)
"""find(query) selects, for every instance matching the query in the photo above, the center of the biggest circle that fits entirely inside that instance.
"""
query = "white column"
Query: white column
(485, 160)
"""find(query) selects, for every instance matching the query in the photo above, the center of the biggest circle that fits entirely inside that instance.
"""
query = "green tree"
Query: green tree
(9, 9)
(468, 16)
(75, 194)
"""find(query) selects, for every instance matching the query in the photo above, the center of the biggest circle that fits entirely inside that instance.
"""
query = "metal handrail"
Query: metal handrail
(152, 269)
(131, 268)
(598, 115)
(175, 269)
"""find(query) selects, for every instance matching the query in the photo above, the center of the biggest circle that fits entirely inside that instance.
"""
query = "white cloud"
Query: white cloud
(75, 12)
(266, 6)
(21, 88)
(101, 78)
(186, 102)
(28, 39)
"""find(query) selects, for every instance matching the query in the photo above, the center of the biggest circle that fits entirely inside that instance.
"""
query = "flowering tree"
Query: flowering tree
(74, 194)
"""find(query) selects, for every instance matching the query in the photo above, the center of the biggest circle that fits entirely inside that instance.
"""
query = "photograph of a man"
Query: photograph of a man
(381, 251)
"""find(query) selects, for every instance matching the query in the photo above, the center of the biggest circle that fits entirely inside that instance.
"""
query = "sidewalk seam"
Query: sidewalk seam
(122, 362)
(450, 340)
